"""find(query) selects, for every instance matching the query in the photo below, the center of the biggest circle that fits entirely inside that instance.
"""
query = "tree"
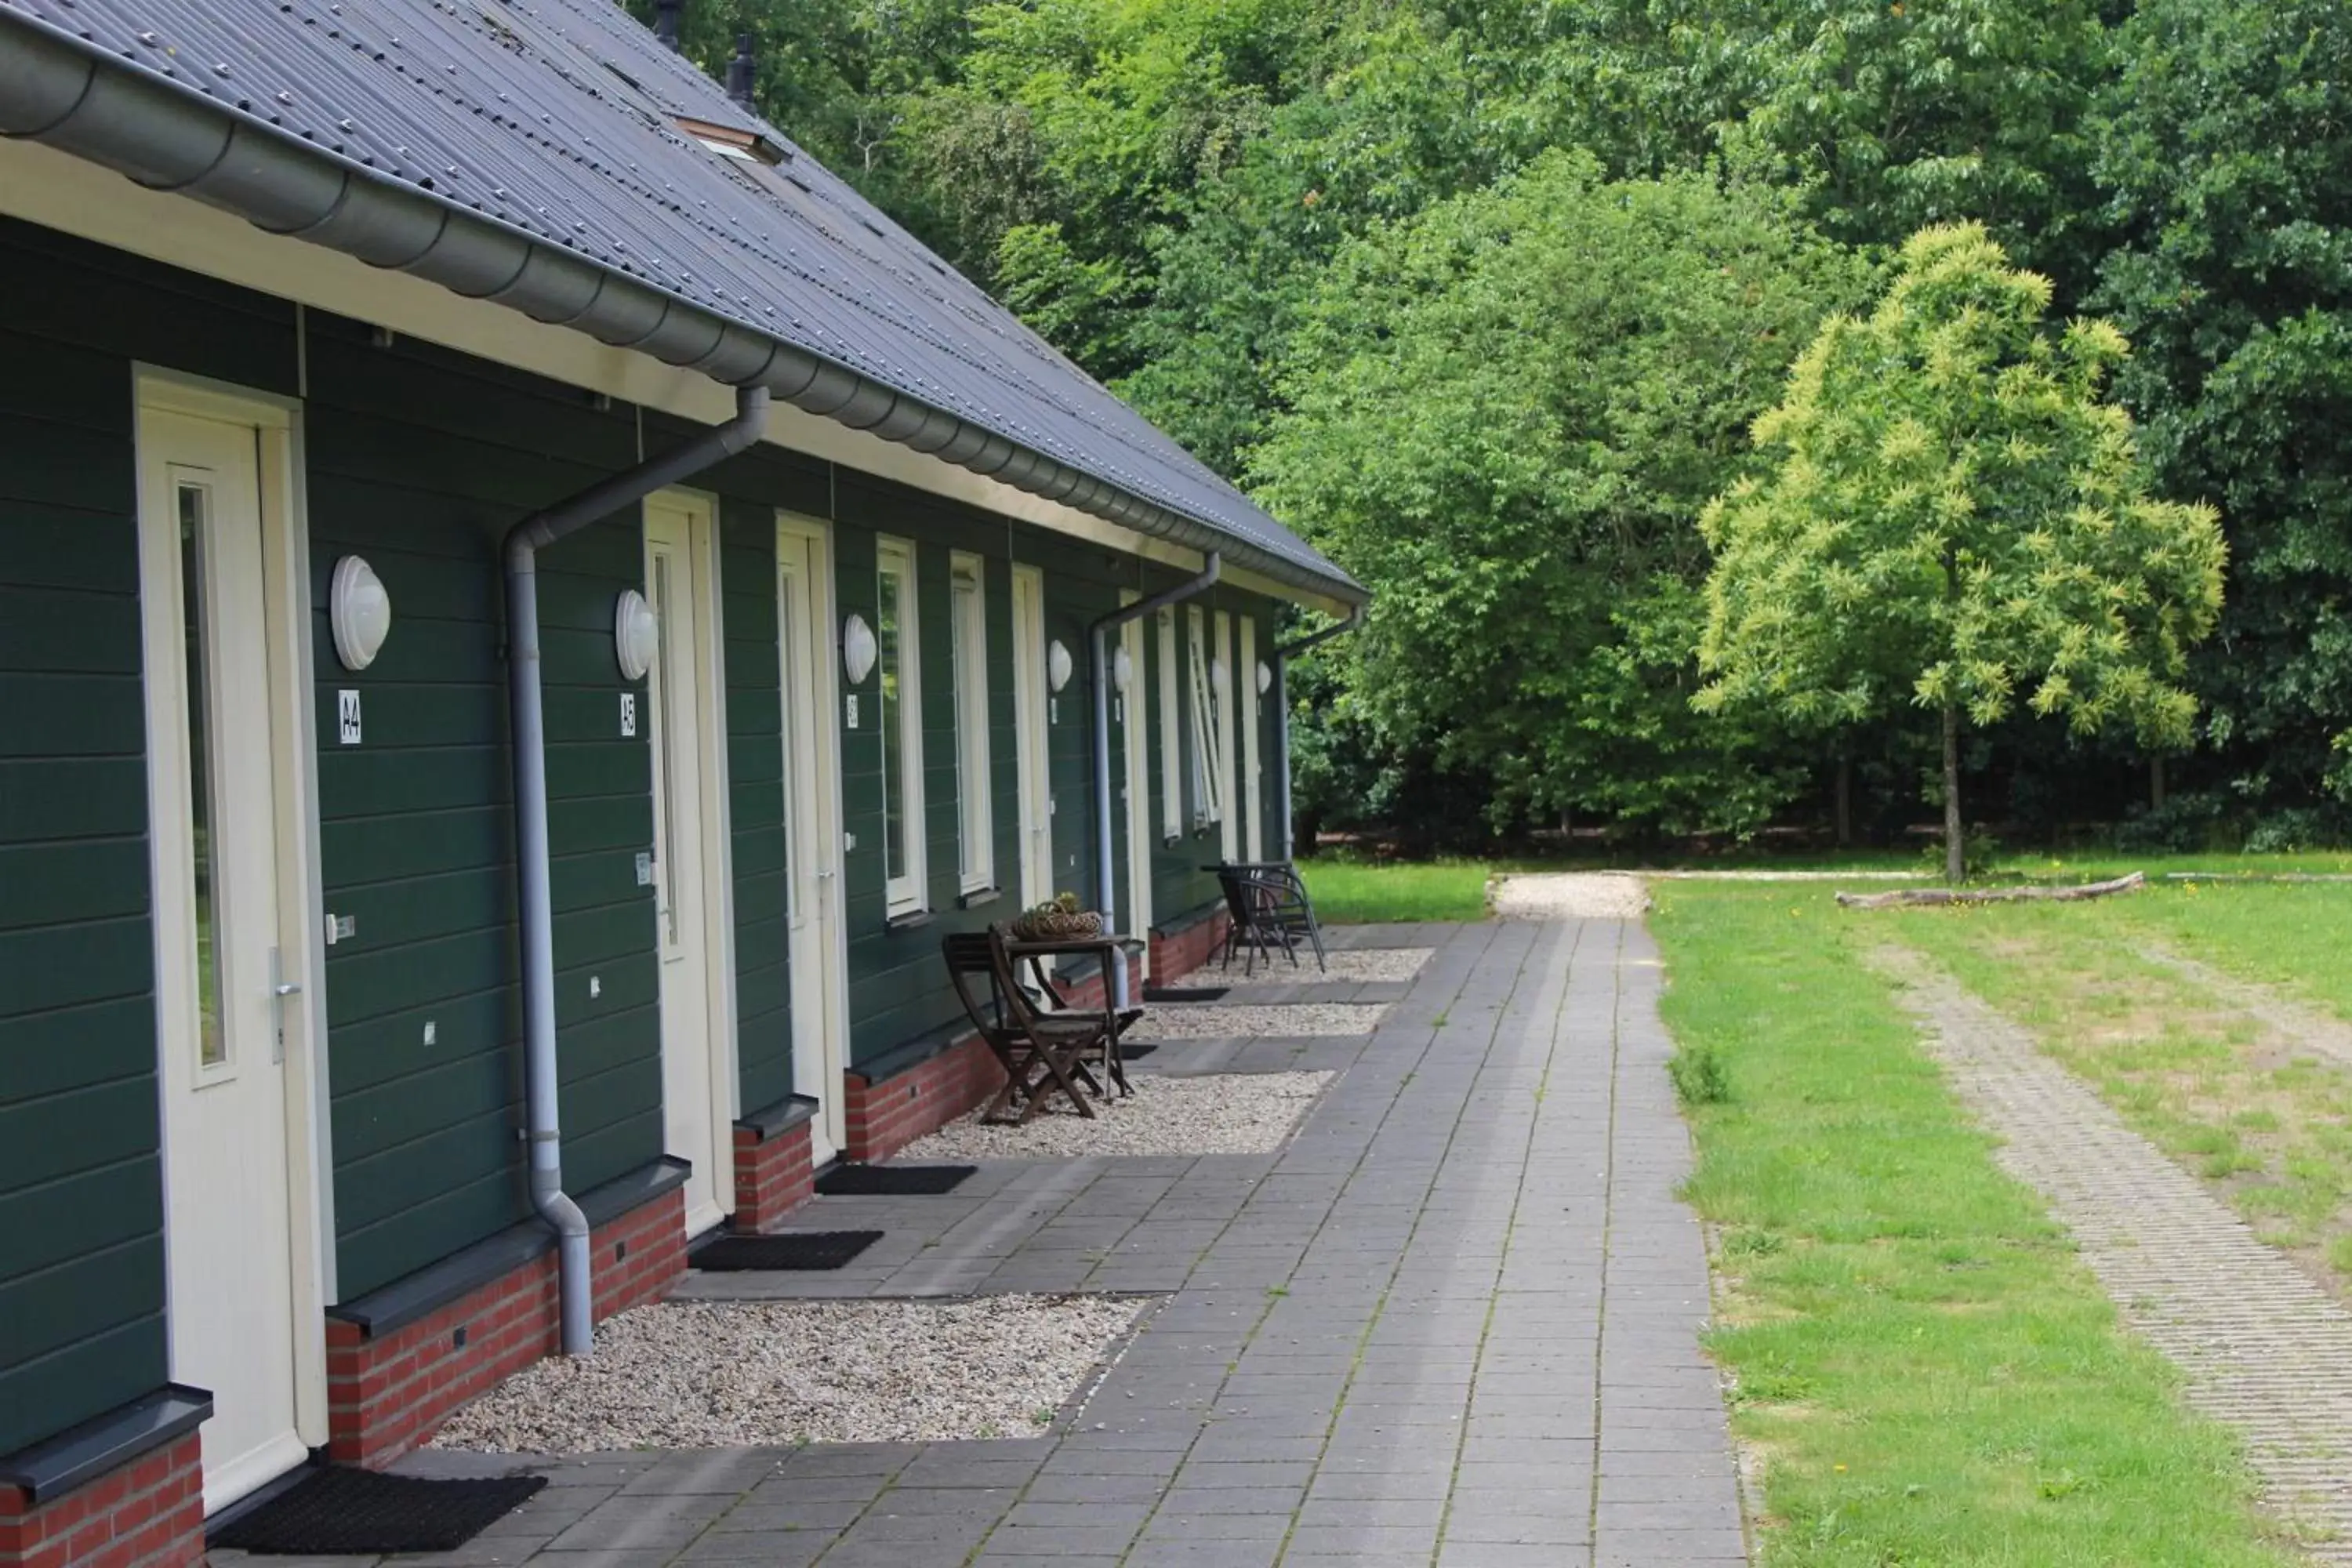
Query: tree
(1954, 512)
(2227, 151)
(1504, 415)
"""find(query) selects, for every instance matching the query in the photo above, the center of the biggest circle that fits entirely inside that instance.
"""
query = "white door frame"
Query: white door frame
(714, 857)
(818, 1073)
(1132, 718)
(1030, 717)
(277, 422)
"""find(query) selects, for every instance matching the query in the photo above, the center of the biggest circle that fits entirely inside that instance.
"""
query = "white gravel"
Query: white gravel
(730, 1374)
(1342, 966)
(1216, 1113)
(1216, 1021)
(1569, 896)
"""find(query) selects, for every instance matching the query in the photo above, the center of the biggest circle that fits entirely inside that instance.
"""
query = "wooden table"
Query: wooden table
(1105, 949)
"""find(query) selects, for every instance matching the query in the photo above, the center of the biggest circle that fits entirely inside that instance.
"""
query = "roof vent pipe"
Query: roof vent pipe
(1106, 895)
(524, 701)
(740, 72)
(666, 22)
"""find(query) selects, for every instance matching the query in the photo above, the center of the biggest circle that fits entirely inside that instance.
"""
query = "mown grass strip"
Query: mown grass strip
(1349, 891)
(1930, 1373)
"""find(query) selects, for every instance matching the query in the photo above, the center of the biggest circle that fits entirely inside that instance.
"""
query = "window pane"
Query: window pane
(971, 726)
(212, 1044)
(665, 731)
(787, 639)
(894, 823)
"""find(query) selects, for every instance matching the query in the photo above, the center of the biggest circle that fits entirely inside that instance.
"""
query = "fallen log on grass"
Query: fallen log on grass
(2123, 884)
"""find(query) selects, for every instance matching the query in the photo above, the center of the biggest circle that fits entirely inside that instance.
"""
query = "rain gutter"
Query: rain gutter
(1098, 635)
(541, 1075)
(68, 93)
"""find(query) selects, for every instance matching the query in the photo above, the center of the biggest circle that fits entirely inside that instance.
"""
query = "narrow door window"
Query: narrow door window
(1208, 765)
(1171, 745)
(902, 728)
(192, 501)
(975, 809)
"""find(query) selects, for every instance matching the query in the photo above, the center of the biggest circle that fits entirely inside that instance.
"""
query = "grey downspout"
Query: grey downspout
(1098, 634)
(540, 1080)
(1282, 707)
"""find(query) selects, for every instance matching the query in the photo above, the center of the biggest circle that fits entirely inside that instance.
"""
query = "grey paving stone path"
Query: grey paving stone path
(1454, 1323)
(2260, 1345)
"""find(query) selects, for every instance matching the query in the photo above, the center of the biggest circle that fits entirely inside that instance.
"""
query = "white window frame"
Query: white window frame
(1253, 720)
(904, 894)
(1171, 742)
(1208, 765)
(975, 792)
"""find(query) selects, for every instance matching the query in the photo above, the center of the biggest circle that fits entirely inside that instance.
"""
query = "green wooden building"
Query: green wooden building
(527, 608)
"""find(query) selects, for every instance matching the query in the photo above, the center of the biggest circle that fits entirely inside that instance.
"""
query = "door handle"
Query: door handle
(280, 988)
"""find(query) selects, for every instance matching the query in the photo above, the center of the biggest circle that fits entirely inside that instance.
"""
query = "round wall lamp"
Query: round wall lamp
(1122, 669)
(359, 610)
(857, 649)
(1265, 677)
(1057, 666)
(636, 636)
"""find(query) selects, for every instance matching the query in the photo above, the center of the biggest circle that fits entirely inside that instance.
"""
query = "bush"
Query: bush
(1699, 1074)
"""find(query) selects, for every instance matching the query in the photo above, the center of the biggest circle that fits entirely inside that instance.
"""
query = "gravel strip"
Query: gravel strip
(1569, 896)
(1221, 1113)
(1215, 1021)
(1356, 964)
(728, 1374)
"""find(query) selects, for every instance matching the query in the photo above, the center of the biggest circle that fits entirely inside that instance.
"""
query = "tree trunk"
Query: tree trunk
(1955, 857)
(1845, 803)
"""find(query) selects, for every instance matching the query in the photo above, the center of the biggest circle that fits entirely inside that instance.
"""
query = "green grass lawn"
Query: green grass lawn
(1930, 1373)
(1349, 891)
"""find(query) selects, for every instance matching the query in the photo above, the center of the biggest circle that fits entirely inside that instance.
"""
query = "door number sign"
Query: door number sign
(347, 717)
(628, 713)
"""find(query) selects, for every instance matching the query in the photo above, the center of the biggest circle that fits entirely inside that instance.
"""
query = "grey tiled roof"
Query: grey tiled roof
(558, 118)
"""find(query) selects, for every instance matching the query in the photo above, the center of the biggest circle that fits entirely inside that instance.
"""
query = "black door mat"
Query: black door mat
(339, 1512)
(1130, 1053)
(1184, 993)
(804, 1250)
(891, 1180)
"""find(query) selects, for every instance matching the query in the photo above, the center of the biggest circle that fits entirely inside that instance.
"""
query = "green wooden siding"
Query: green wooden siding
(420, 460)
(81, 1255)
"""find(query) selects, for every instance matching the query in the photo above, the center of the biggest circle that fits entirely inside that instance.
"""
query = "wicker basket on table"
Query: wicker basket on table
(1061, 921)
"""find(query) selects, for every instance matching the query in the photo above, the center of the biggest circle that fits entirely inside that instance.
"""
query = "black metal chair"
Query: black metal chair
(1269, 909)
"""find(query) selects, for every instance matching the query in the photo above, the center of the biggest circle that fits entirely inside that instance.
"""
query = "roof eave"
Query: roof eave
(65, 93)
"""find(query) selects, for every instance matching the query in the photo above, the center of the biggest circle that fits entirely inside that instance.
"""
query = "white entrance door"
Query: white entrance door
(689, 856)
(1253, 772)
(1139, 795)
(814, 918)
(1029, 715)
(220, 818)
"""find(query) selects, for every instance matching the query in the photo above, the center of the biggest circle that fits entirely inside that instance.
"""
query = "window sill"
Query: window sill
(973, 898)
(912, 919)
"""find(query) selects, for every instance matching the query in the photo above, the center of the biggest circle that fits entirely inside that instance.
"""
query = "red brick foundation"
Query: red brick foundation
(886, 1117)
(386, 1395)
(774, 1176)
(148, 1514)
(1178, 953)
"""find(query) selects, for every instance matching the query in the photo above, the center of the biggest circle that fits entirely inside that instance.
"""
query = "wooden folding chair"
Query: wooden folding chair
(1057, 1043)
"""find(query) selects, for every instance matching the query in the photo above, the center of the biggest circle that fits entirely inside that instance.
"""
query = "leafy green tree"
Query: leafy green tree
(2227, 148)
(1505, 416)
(1954, 512)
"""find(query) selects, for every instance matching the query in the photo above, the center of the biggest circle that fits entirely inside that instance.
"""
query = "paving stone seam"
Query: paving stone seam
(2260, 1347)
